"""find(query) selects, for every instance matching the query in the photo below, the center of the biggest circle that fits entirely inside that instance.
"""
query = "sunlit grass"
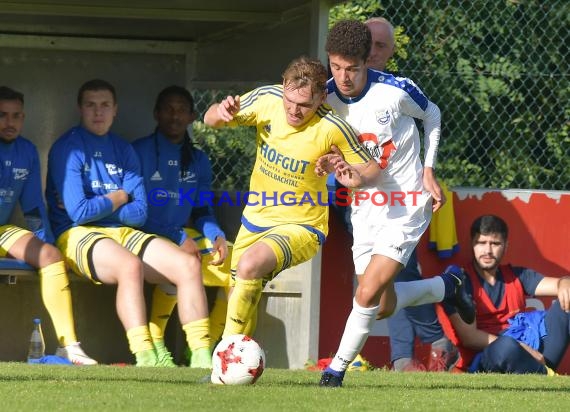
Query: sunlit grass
(106, 388)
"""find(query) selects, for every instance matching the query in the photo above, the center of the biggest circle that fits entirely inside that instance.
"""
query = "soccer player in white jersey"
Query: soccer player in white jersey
(390, 213)
(417, 321)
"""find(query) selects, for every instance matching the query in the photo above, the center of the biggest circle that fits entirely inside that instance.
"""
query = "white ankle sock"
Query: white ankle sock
(358, 326)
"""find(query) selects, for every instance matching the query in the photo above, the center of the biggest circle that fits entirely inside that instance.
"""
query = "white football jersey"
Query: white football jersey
(397, 211)
(383, 117)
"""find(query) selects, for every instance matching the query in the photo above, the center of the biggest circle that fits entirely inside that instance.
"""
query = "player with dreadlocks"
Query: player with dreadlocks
(171, 164)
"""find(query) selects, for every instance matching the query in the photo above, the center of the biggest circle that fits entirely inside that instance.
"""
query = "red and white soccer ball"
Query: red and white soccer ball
(237, 360)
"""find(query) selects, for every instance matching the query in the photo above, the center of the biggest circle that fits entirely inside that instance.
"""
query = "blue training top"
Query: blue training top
(82, 168)
(175, 197)
(20, 180)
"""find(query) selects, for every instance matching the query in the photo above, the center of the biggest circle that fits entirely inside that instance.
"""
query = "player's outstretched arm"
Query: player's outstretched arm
(220, 113)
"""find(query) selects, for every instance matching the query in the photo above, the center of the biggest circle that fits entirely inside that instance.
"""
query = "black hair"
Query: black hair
(10, 94)
(174, 91)
(349, 38)
(487, 225)
(187, 149)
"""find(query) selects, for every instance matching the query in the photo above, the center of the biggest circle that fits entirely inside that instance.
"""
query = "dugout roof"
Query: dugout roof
(269, 32)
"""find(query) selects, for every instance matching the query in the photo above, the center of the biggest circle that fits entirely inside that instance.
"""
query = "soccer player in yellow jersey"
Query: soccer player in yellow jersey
(286, 217)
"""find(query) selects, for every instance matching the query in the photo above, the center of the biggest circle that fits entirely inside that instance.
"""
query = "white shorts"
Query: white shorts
(388, 230)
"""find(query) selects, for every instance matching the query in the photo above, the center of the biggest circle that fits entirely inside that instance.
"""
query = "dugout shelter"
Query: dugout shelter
(48, 49)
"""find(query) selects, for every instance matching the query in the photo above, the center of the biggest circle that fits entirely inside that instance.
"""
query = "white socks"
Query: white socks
(360, 320)
(419, 292)
(356, 332)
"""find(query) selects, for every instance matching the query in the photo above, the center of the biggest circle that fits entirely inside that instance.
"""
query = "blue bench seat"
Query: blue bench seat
(10, 269)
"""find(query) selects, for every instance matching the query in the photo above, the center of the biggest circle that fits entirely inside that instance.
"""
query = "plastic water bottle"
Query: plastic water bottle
(37, 347)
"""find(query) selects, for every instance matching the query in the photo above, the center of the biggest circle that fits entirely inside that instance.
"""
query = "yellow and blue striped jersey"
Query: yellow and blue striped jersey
(284, 187)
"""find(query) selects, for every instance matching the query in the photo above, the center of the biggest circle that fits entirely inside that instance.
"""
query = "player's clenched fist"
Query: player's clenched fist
(228, 108)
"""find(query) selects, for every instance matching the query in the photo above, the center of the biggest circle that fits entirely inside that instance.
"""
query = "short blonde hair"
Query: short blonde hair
(304, 71)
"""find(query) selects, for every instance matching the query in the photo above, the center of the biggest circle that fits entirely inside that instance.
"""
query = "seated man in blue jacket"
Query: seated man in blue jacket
(96, 199)
(20, 181)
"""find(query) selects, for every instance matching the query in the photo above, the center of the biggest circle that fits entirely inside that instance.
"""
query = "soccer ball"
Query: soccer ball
(237, 360)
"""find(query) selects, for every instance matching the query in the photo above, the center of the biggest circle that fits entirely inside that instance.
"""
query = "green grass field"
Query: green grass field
(106, 388)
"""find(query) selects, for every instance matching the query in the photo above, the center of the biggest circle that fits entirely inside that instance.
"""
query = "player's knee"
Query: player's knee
(500, 354)
(503, 348)
(49, 255)
(192, 266)
(247, 269)
(555, 311)
(130, 270)
(367, 297)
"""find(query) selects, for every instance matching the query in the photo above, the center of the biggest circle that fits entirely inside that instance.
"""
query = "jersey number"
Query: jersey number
(386, 149)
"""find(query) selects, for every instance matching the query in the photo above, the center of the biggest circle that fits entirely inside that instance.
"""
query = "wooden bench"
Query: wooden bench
(11, 269)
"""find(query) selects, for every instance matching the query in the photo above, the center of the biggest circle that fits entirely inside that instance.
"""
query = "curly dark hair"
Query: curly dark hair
(349, 38)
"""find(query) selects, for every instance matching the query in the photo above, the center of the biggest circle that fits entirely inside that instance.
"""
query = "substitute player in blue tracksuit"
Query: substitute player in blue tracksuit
(178, 180)
(20, 181)
(96, 199)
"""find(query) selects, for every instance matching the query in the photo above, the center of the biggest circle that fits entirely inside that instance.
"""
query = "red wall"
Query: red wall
(539, 238)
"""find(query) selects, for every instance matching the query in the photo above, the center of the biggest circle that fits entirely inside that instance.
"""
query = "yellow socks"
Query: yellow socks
(242, 305)
(161, 308)
(218, 319)
(198, 337)
(139, 339)
(249, 329)
(198, 334)
(56, 296)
